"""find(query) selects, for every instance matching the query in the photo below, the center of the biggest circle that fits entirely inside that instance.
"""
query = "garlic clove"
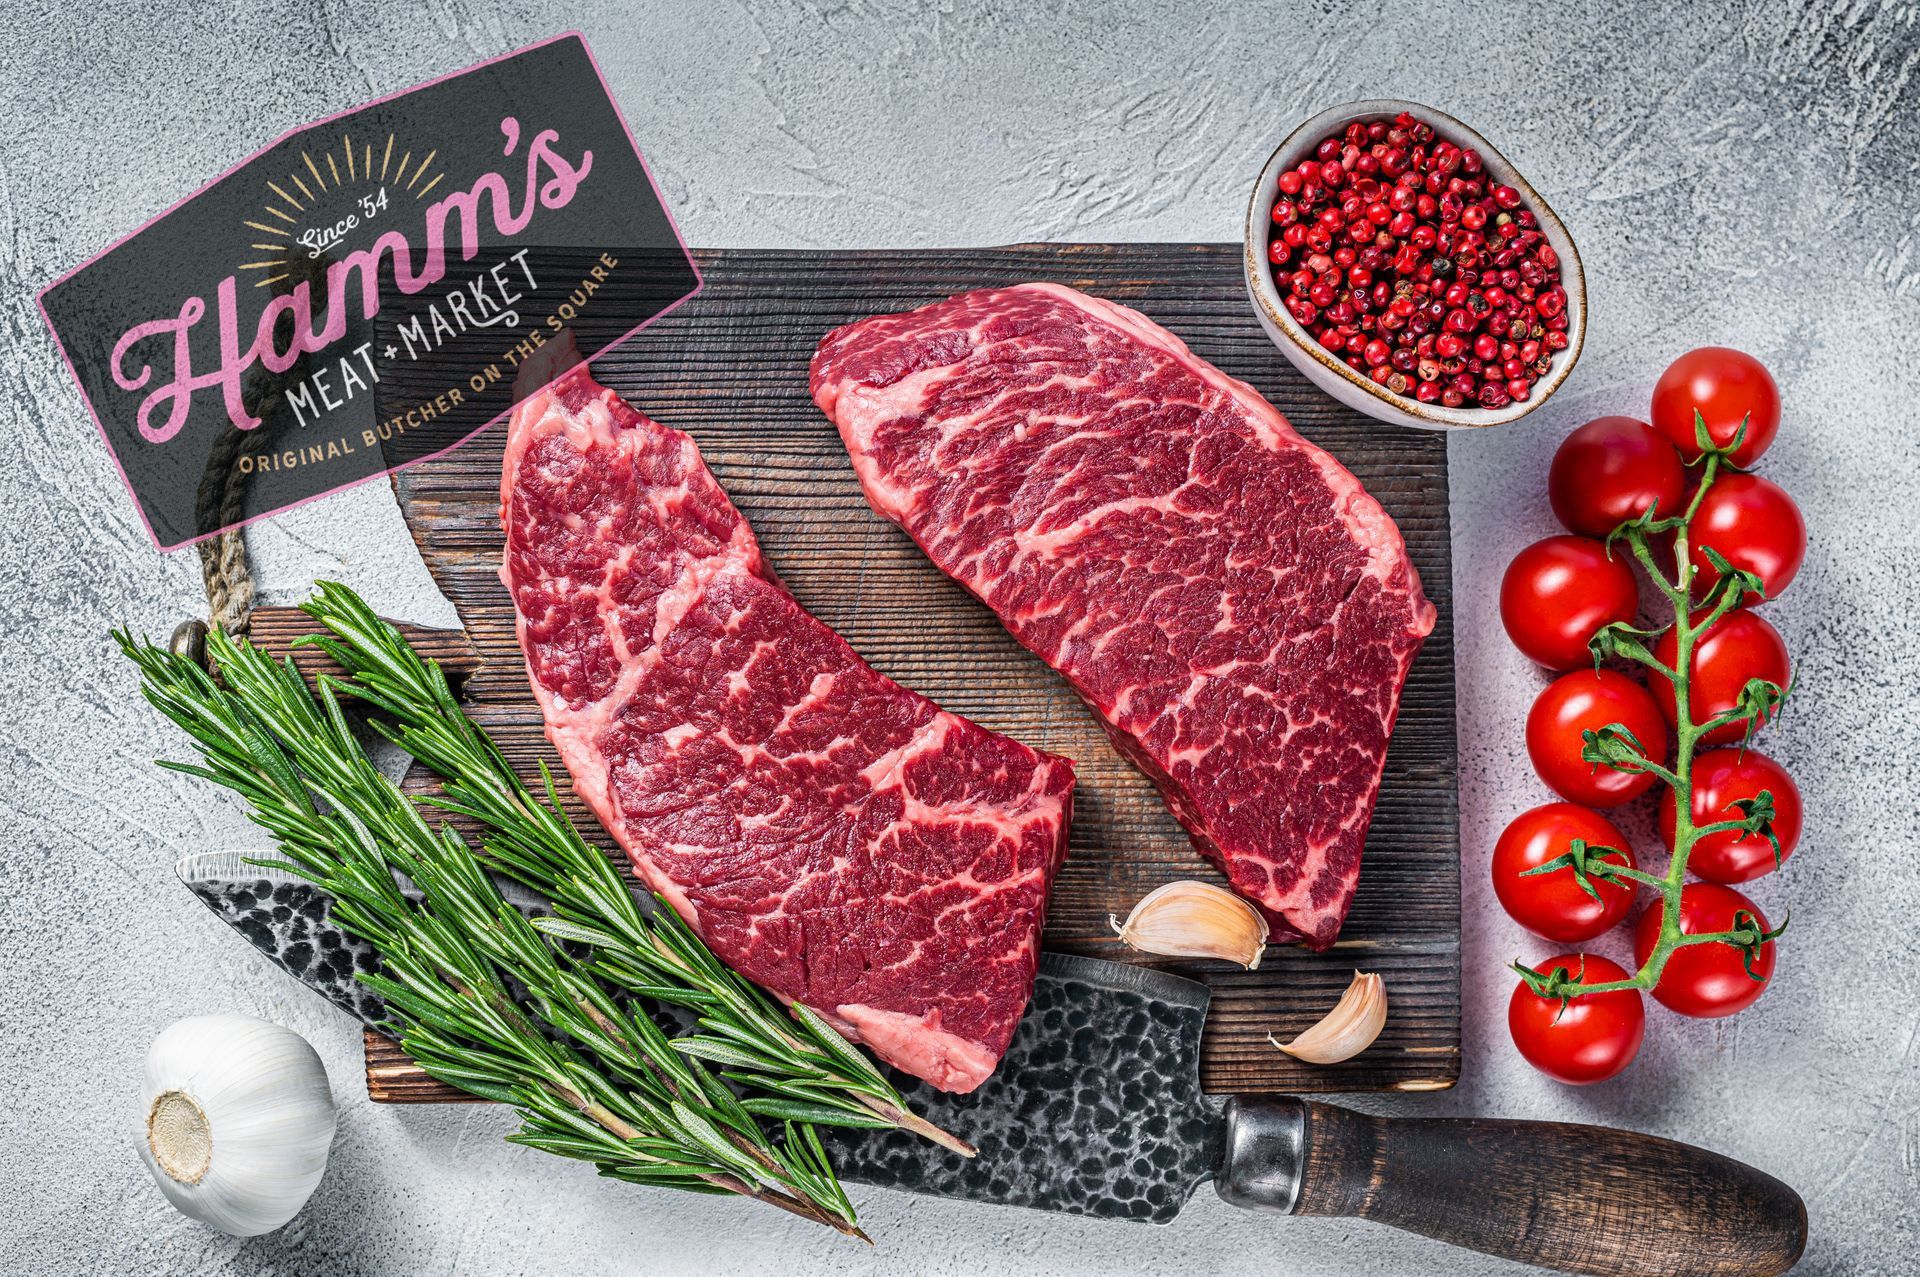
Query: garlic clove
(1348, 1029)
(238, 1118)
(1189, 919)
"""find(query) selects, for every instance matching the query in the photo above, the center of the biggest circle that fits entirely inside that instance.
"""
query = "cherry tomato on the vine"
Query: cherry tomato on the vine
(1738, 647)
(1753, 524)
(1720, 778)
(1724, 386)
(1553, 905)
(1709, 979)
(1557, 592)
(1610, 470)
(1583, 701)
(1590, 1039)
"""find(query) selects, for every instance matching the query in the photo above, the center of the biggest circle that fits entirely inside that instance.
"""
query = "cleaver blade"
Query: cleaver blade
(1096, 1109)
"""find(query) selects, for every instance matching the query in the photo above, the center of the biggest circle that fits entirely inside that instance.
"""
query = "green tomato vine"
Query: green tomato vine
(1614, 745)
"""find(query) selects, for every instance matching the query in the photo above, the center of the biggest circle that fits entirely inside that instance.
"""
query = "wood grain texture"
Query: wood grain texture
(279, 630)
(730, 367)
(1583, 1199)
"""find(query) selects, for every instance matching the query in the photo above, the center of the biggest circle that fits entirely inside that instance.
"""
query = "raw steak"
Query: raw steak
(837, 838)
(1232, 603)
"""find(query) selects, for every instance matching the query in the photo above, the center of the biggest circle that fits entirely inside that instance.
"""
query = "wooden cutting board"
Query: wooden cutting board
(730, 367)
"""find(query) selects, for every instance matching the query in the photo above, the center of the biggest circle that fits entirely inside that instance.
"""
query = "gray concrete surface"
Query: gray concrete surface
(1740, 175)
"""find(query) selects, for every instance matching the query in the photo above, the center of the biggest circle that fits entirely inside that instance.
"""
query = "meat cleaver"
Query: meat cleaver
(1096, 1109)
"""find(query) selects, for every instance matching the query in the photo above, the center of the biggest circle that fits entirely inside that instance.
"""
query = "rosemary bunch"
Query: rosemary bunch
(590, 1074)
(1614, 745)
(803, 1068)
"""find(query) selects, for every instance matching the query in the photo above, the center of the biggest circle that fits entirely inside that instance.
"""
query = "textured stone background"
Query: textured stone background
(1744, 175)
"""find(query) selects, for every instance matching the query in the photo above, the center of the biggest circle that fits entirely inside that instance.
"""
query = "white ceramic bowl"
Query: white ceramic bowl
(1334, 376)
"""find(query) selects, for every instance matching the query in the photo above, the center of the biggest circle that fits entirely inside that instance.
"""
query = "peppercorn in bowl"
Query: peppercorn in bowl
(1408, 269)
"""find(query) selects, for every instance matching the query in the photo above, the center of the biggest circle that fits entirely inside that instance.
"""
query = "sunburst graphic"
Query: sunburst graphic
(298, 197)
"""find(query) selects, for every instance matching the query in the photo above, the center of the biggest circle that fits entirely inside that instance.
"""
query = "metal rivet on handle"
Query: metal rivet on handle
(190, 640)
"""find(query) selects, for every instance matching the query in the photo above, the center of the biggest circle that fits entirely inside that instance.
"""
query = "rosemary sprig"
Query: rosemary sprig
(803, 1068)
(591, 1076)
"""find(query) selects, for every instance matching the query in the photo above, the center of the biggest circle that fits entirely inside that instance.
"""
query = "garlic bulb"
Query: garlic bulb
(1348, 1029)
(238, 1119)
(1188, 919)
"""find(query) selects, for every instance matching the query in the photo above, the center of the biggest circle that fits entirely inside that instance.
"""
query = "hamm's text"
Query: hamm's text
(550, 182)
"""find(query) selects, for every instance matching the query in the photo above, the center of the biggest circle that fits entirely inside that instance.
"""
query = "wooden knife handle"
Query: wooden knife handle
(1585, 1199)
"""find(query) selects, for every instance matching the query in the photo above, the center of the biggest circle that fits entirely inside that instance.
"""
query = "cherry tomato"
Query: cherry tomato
(1739, 646)
(1587, 700)
(1610, 470)
(1706, 980)
(1754, 525)
(1557, 592)
(1591, 1038)
(1721, 776)
(1723, 386)
(1552, 905)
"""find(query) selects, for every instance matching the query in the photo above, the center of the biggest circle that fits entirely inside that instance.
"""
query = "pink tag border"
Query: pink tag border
(39, 297)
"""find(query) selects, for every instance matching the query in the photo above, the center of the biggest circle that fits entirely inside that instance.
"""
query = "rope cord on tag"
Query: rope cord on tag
(221, 501)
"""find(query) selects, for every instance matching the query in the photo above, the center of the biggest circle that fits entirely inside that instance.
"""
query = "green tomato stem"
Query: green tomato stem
(1655, 769)
(1633, 875)
(1688, 735)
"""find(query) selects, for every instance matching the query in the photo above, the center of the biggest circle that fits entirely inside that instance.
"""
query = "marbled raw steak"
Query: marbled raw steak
(1225, 595)
(837, 838)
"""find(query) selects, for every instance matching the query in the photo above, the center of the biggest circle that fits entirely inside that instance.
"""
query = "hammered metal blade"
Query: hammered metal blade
(290, 921)
(1096, 1108)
